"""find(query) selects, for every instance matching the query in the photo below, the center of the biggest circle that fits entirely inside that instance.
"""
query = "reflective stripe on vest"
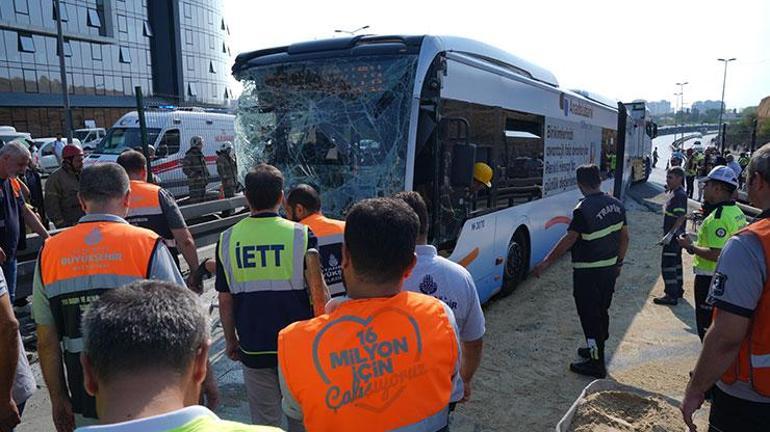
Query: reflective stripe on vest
(386, 363)
(602, 232)
(753, 362)
(264, 254)
(144, 209)
(330, 234)
(595, 264)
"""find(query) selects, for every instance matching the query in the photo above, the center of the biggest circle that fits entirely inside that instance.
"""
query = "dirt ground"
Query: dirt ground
(524, 383)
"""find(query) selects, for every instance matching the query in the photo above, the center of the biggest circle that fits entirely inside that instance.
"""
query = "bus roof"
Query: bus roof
(390, 44)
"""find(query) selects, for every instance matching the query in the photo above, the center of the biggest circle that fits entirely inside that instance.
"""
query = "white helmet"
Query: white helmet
(226, 146)
(723, 174)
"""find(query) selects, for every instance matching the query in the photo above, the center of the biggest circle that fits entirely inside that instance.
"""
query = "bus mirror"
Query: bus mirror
(463, 158)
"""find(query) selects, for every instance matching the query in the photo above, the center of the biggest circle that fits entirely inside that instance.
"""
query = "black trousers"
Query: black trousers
(703, 310)
(731, 414)
(671, 269)
(593, 289)
(690, 180)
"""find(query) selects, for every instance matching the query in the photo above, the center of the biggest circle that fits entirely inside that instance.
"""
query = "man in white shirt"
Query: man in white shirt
(58, 147)
(144, 359)
(451, 283)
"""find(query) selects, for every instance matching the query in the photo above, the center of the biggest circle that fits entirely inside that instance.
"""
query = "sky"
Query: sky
(621, 49)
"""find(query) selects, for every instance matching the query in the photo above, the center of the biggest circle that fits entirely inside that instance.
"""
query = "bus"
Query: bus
(369, 116)
(639, 140)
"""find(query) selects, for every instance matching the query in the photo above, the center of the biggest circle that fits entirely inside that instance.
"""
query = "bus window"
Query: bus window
(609, 152)
(169, 144)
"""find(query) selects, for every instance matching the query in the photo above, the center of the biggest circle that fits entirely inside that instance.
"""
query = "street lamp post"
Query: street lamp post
(351, 32)
(681, 104)
(722, 104)
(63, 74)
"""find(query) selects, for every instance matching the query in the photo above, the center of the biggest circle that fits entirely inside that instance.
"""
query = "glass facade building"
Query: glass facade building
(177, 51)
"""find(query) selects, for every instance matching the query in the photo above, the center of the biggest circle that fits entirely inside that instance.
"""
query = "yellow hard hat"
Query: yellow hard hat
(482, 173)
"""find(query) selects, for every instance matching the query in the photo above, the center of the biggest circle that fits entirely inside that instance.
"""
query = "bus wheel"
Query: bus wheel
(515, 263)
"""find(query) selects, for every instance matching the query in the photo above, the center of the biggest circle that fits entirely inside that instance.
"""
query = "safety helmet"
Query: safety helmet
(723, 174)
(482, 173)
(196, 141)
(226, 146)
(71, 150)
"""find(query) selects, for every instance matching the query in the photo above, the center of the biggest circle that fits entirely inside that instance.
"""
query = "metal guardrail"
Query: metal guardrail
(204, 223)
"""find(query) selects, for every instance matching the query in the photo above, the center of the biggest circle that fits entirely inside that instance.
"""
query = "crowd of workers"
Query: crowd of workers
(340, 324)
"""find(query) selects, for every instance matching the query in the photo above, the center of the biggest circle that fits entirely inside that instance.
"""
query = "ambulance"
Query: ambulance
(169, 131)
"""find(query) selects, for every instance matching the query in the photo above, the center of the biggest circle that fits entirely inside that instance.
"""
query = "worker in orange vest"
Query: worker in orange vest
(735, 361)
(303, 205)
(74, 268)
(154, 208)
(385, 358)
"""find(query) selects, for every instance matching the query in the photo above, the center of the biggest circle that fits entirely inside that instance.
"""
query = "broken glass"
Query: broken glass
(338, 124)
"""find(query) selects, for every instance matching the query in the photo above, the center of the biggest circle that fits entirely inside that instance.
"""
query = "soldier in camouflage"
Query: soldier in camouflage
(194, 167)
(227, 169)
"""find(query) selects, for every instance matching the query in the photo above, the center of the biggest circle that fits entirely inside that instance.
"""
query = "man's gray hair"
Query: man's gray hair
(15, 150)
(103, 182)
(760, 162)
(145, 325)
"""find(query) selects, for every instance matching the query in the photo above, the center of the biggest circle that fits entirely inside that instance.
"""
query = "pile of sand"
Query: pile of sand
(624, 411)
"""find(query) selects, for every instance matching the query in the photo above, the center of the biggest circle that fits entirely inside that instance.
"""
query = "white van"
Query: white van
(90, 137)
(169, 131)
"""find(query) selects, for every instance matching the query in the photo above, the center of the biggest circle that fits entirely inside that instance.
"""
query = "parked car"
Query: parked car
(90, 137)
(9, 133)
(43, 154)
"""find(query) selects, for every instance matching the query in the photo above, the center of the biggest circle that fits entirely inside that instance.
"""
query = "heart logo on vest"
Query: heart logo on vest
(368, 362)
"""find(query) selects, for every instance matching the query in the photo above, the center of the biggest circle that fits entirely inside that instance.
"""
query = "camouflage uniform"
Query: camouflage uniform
(228, 172)
(194, 167)
(61, 197)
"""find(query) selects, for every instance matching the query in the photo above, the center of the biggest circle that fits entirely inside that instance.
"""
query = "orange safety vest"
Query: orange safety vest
(144, 210)
(330, 234)
(76, 267)
(376, 364)
(753, 362)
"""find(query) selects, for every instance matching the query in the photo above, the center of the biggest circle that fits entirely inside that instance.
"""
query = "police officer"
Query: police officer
(154, 208)
(737, 346)
(261, 288)
(194, 167)
(61, 189)
(303, 205)
(101, 252)
(385, 360)
(674, 218)
(227, 169)
(598, 238)
(724, 220)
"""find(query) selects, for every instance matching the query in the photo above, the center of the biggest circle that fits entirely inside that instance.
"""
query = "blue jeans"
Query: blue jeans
(9, 271)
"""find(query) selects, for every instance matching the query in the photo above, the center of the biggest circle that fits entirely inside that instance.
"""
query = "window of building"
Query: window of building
(212, 69)
(188, 36)
(26, 43)
(223, 26)
(192, 90)
(187, 10)
(30, 81)
(212, 42)
(224, 48)
(96, 51)
(67, 49)
(190, 63)
(99, 84)
(211, 17)
(21, 6)
(93, 18)
(64, 15)
(147, 29)
(122, 24)
(227, 93)
(125, 55)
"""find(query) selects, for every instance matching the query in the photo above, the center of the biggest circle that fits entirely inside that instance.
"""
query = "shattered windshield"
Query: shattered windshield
(338, 124)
